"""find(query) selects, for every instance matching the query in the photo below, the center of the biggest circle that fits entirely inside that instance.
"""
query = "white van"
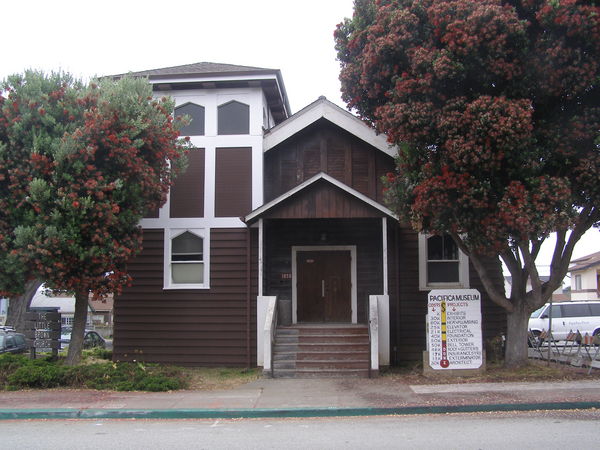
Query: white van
(567, 316)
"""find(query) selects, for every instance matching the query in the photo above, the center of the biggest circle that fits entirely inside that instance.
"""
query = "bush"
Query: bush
(17, 372)
(38, 376)
(98, 353)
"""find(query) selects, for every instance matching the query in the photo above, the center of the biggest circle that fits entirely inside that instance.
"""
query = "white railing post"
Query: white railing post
(268, 332)
(374, 332)
(383, 314)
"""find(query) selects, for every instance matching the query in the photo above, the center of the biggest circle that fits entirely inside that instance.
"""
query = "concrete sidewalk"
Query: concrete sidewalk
(302, 398)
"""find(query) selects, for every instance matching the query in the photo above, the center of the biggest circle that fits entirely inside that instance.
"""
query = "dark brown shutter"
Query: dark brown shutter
(233, 182)
(187, 195)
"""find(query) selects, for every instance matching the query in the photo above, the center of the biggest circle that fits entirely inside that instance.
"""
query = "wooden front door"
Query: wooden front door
(324, 286)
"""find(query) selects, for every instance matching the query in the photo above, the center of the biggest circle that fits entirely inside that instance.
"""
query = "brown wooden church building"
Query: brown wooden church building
(279, 217)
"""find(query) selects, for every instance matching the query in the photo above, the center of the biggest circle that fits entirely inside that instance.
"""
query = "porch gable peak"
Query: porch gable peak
(261, 211)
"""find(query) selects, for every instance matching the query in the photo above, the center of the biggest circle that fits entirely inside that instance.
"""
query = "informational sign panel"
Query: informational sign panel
(454, 329)
(43, 331)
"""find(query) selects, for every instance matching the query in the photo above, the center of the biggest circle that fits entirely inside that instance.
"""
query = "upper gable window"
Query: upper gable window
(233, 118)
(196, 114)
(441, 263)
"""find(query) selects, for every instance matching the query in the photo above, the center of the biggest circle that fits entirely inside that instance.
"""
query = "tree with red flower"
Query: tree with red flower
(79, 167)
(495, 107)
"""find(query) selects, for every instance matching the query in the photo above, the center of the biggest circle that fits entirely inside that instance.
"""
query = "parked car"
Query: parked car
(91, 339)
(11, 342)
(566, 317)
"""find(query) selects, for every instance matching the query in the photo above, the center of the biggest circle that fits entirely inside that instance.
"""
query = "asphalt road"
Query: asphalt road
(531, 430)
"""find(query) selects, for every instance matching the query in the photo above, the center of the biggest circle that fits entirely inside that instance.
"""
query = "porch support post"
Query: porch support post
(261, 301)
(383, 303)
(385, 254)
(260, 257)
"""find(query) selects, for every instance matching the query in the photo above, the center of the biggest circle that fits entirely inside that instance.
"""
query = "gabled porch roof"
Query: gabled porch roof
(333, 186)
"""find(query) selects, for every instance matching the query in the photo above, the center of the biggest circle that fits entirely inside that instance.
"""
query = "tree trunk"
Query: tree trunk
(516, 337)
(18, 306)
(78, 332)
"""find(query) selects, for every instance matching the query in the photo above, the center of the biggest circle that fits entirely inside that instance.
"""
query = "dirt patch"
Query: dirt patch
(206, 379)
(534, 371)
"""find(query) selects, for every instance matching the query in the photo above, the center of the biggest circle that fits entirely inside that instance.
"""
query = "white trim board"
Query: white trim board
(313, 248)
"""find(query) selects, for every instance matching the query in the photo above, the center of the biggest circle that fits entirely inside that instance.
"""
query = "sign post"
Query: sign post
(454, 329)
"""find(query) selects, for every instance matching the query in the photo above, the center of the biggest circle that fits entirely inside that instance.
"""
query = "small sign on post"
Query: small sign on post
(43, 330)
(454, 329)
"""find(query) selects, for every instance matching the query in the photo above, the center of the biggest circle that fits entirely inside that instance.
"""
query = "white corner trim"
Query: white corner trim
(320, 176)
(323, 108)
(316, 248)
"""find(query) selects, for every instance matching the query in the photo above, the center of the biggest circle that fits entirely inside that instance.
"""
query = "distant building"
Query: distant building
(3, 310)
(585, 277)
(64, 303)
(561, 294)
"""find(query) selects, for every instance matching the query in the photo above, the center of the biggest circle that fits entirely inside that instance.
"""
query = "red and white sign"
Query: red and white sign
(454, 329)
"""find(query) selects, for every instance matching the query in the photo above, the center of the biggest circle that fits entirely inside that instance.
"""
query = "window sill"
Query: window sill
(186, 287)
(444, 286)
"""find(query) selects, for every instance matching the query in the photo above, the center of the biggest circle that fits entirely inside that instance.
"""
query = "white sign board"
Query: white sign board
(454, 329)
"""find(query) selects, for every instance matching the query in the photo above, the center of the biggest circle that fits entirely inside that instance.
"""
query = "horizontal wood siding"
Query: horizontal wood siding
(190, 327)
(324, 147)
(281, 235)
(409, 312)
(324, 201)
(187, 194)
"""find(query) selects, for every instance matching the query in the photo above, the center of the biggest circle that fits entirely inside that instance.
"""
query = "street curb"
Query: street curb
(23, 414)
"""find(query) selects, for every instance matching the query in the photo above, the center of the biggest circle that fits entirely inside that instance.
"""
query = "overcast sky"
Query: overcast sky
(109, 37)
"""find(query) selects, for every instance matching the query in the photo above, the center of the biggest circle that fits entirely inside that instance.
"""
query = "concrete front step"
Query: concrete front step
(329, 328)
(322, 373)
(329, 338)
(335, 356)
(315, 350)
(332, 364)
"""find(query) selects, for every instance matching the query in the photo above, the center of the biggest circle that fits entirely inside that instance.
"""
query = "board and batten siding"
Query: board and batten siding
(204, 327)
(325, 147)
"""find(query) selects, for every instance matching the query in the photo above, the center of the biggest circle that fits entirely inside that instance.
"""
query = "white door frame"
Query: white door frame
(323, 248)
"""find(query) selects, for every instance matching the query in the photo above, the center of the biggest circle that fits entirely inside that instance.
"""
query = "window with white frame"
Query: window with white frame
(196, 115)
(441, 263)
(233, 118)
(185, 259)
(577, 282)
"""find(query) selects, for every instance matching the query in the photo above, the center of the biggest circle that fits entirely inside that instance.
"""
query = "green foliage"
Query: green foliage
(98, 353)
(17, 372)
(79, 167)
(495, 106)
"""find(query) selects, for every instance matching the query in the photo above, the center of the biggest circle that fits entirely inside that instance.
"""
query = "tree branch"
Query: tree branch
(532, 274)
(490, 286)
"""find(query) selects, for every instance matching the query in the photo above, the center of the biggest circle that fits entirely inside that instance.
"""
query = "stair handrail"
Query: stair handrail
(269, 335)
(373, 334)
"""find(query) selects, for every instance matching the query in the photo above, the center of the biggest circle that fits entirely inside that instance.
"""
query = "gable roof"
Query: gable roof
(207, 75)
(257, 213)
(585, 262)
(204, 67)
(323, 108)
